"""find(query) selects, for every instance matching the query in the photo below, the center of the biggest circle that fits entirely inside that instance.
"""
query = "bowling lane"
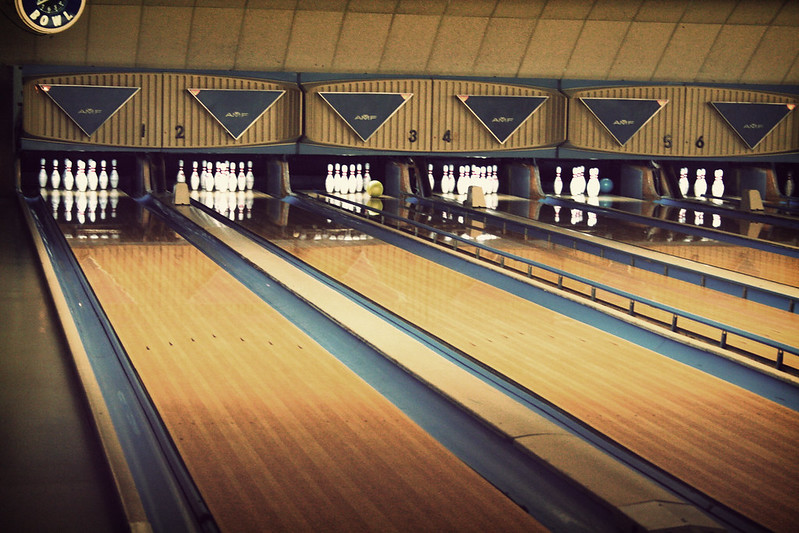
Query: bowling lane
(727, 442)
(276, 432)
(744, 314)
(742, 259)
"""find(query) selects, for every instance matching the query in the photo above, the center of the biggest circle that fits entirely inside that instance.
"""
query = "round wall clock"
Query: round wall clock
(49, 16)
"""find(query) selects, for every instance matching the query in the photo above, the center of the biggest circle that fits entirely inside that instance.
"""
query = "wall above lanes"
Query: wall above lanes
(314, 113)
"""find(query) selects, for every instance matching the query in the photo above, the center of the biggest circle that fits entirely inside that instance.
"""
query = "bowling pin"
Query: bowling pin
(220, 183)
(55, 177)
(494, 180)
(462, 185)
(430, 177)
(329, 179)
(69, 178)
(181, 177)
(700, 185)
(91, 176)
(367, 176)
(103, 178)
(241, 179)
(250, 176)
(717, 189)
(194, 181)
(351, 181)
(574, 185)
(683, 182)
(206, 178)
(232, 180)
(42, 175)
(358, 178)
(113, 179)
(81, 180)
(558, 182)
(336, 176)
(593, 183)
(341, 180)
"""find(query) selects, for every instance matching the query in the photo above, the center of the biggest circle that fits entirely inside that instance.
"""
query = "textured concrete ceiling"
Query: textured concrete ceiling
(731, 41)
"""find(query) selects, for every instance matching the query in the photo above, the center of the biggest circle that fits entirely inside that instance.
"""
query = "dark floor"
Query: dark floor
(53, 476)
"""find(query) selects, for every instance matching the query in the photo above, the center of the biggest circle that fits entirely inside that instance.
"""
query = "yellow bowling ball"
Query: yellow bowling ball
(374, 189)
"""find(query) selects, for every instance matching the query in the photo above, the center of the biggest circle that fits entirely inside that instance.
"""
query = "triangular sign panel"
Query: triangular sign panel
(365, 112)
(752, 121)
(623, 117)
(502, 115)
(236, 109)
(89, 106)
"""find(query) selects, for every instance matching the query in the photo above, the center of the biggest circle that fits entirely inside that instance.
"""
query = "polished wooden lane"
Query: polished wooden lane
(742, 259)
(277, 433)
(750, 316)
(745, 260)
(729, 443)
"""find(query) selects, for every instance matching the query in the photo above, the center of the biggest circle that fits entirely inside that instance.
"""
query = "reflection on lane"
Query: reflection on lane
(99, 217)
(750, 261)
(257, 408)
(644, 401)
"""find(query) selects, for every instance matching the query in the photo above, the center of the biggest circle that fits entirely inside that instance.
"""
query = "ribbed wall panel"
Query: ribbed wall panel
(666, 127)
(324, 126)
(183, 114)
(693, 127)
(545, 127)
(43, 118)
(718, 138)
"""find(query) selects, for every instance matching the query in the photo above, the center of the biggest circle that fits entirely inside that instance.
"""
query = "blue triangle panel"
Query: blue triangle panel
(502, 115)
(365, 112)
(236, 109)
(623, 117)
(89, 106)
(752, 121)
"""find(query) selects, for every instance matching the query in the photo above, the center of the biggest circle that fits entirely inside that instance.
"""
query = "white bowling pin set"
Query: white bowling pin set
(701, 185)
(346, 178)
(486, 177)
(85, 178)
(221, 176)
(578, 185)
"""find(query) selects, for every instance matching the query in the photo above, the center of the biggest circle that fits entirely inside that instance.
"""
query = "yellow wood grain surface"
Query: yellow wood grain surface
(277, 433)
(729, 443)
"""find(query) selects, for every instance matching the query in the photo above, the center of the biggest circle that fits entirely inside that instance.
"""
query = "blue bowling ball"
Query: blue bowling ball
(605, 185)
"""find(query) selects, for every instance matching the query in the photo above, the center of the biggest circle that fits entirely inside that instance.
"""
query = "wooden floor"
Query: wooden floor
(277, 433)
(727, 442)
(764, 320)
(750, 261)
(735, 258)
